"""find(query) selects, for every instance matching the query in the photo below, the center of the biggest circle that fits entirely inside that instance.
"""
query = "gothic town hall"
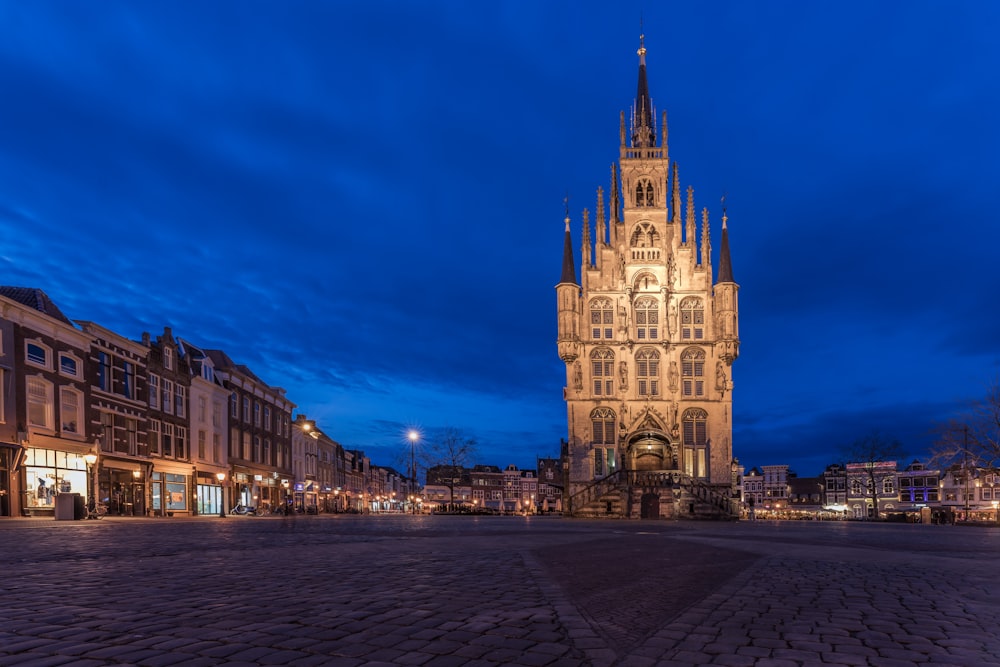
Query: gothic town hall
(649, 335)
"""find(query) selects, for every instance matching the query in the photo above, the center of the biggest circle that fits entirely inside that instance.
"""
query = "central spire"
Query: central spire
(643, 126)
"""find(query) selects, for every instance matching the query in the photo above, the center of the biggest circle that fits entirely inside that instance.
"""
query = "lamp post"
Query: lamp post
(413, 435)
(91, 460)
(221, 476)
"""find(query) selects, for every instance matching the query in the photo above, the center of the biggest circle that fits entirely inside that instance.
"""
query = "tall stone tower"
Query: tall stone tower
(648, 340)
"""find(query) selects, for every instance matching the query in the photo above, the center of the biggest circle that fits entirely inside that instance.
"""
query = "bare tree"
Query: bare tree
(972, 438)
(873, 452)
(450, 453)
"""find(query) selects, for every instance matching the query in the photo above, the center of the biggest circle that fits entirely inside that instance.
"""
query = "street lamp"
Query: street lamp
(413, 435)
(221, 476)
(91, 460)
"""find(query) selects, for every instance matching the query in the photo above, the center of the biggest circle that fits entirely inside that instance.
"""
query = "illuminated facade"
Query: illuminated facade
(648, 339)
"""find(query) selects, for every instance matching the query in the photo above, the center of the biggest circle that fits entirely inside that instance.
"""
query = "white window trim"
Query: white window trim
(48, 354)
(79, 365)
(50, 416)
(80, 423)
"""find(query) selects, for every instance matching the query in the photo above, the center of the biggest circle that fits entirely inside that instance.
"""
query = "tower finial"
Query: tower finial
(566, 203)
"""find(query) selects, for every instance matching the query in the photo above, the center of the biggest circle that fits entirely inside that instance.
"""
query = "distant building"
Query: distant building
(648, 336)
(550, 486)
(871, 486)
(835, 489)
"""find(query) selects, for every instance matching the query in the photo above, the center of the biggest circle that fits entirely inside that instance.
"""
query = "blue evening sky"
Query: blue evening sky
(363, 201)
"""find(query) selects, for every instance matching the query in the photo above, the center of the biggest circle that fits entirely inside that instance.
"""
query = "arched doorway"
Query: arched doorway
(651, 450)
(650, 506)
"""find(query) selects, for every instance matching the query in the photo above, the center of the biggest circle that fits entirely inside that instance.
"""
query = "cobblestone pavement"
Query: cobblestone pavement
(535, 591)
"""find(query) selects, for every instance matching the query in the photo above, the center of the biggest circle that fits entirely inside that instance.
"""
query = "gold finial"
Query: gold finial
(566, 203)
(642, 47)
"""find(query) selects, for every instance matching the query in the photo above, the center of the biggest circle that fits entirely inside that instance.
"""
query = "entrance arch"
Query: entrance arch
(650, 449)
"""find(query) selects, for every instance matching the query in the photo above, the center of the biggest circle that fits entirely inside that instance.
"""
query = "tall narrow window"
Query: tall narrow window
(168, 358)
(266, 460)
(168, 396)
(647, 319)
(693, 371)
(104, 371)
(692, 319)
(602, 317)
(202, 409)
(40, 403)
(69, 410)
(180, 440)
(234, 405)
(267, 418)
(128, 380)
(153, 433)
(132, 436)
(246, 446)
(647, 369)
(246, 409)
(168, 440)
(154, 391)
(107, 431)
(3, 401)
(180, 400)
(695, 442)
(202, 439)
(216, 448)
(256, 413)
(602, 364)
(256, 449)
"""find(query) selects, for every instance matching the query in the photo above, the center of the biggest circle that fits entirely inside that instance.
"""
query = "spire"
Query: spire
(615, 206)
(675, 197)
(689, 232)
(643, 124)
(725, 265)
(585, 262)
(568, 269)
(602, 235)
(706, 241)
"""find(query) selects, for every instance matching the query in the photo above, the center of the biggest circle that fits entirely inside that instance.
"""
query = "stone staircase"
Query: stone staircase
(663, 494)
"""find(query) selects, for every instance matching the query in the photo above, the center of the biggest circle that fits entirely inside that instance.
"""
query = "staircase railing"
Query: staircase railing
(662, 479)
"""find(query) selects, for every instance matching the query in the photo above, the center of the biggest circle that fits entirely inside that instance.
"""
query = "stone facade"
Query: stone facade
(648, 339)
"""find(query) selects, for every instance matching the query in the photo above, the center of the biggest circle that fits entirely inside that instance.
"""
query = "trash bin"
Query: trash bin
(66, 506)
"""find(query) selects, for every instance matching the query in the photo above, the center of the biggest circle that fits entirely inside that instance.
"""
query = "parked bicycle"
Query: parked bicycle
(96, 511)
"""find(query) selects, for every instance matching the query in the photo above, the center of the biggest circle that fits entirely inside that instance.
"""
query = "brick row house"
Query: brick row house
(159, 426)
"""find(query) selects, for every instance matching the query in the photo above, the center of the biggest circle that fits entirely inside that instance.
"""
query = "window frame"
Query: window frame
(48, 406)
(77, 396)
(46, 354)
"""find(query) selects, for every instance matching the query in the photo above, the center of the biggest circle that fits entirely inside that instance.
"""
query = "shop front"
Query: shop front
(49, 472)
(9, 457)
(122, 487)
(170, 486)
(209, 494)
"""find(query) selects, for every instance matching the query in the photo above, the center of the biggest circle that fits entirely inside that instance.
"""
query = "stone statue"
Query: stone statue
(720, 377)
(623, 375)
(673, 376)
(577, 376)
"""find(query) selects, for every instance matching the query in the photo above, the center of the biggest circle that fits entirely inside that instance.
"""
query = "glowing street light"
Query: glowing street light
(91, 460)
(221, 476)
(413, 435)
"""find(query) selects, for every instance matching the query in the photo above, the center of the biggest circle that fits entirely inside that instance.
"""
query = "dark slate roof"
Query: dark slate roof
(32, 297)
(725, 264)
(568, 267)
(222, 361)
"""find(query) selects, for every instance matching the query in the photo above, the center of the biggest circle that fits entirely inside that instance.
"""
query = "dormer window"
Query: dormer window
(206, 373)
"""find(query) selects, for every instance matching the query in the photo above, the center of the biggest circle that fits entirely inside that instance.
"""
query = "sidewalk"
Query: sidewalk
(453, 590)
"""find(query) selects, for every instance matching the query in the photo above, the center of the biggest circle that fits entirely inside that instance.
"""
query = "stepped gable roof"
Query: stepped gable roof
(33, 297)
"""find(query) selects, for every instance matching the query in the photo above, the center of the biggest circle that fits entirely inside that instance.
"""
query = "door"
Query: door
(650, 508)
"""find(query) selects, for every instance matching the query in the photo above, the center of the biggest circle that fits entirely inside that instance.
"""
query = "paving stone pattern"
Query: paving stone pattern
(486, 591)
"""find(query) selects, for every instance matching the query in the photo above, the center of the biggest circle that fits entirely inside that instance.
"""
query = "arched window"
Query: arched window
(644, 193)
(602, 364)
(855, 487)
(695, 434)
(692, 319)
(603, 422)
(644, 235)
(647, 370)
(693, 372)
(602, 317)
(887, 486)
(647, 319)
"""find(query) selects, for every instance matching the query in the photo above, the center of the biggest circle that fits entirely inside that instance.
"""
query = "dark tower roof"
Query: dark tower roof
(32, 297)
(643, 126)
(725, 264)
(568, 267)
